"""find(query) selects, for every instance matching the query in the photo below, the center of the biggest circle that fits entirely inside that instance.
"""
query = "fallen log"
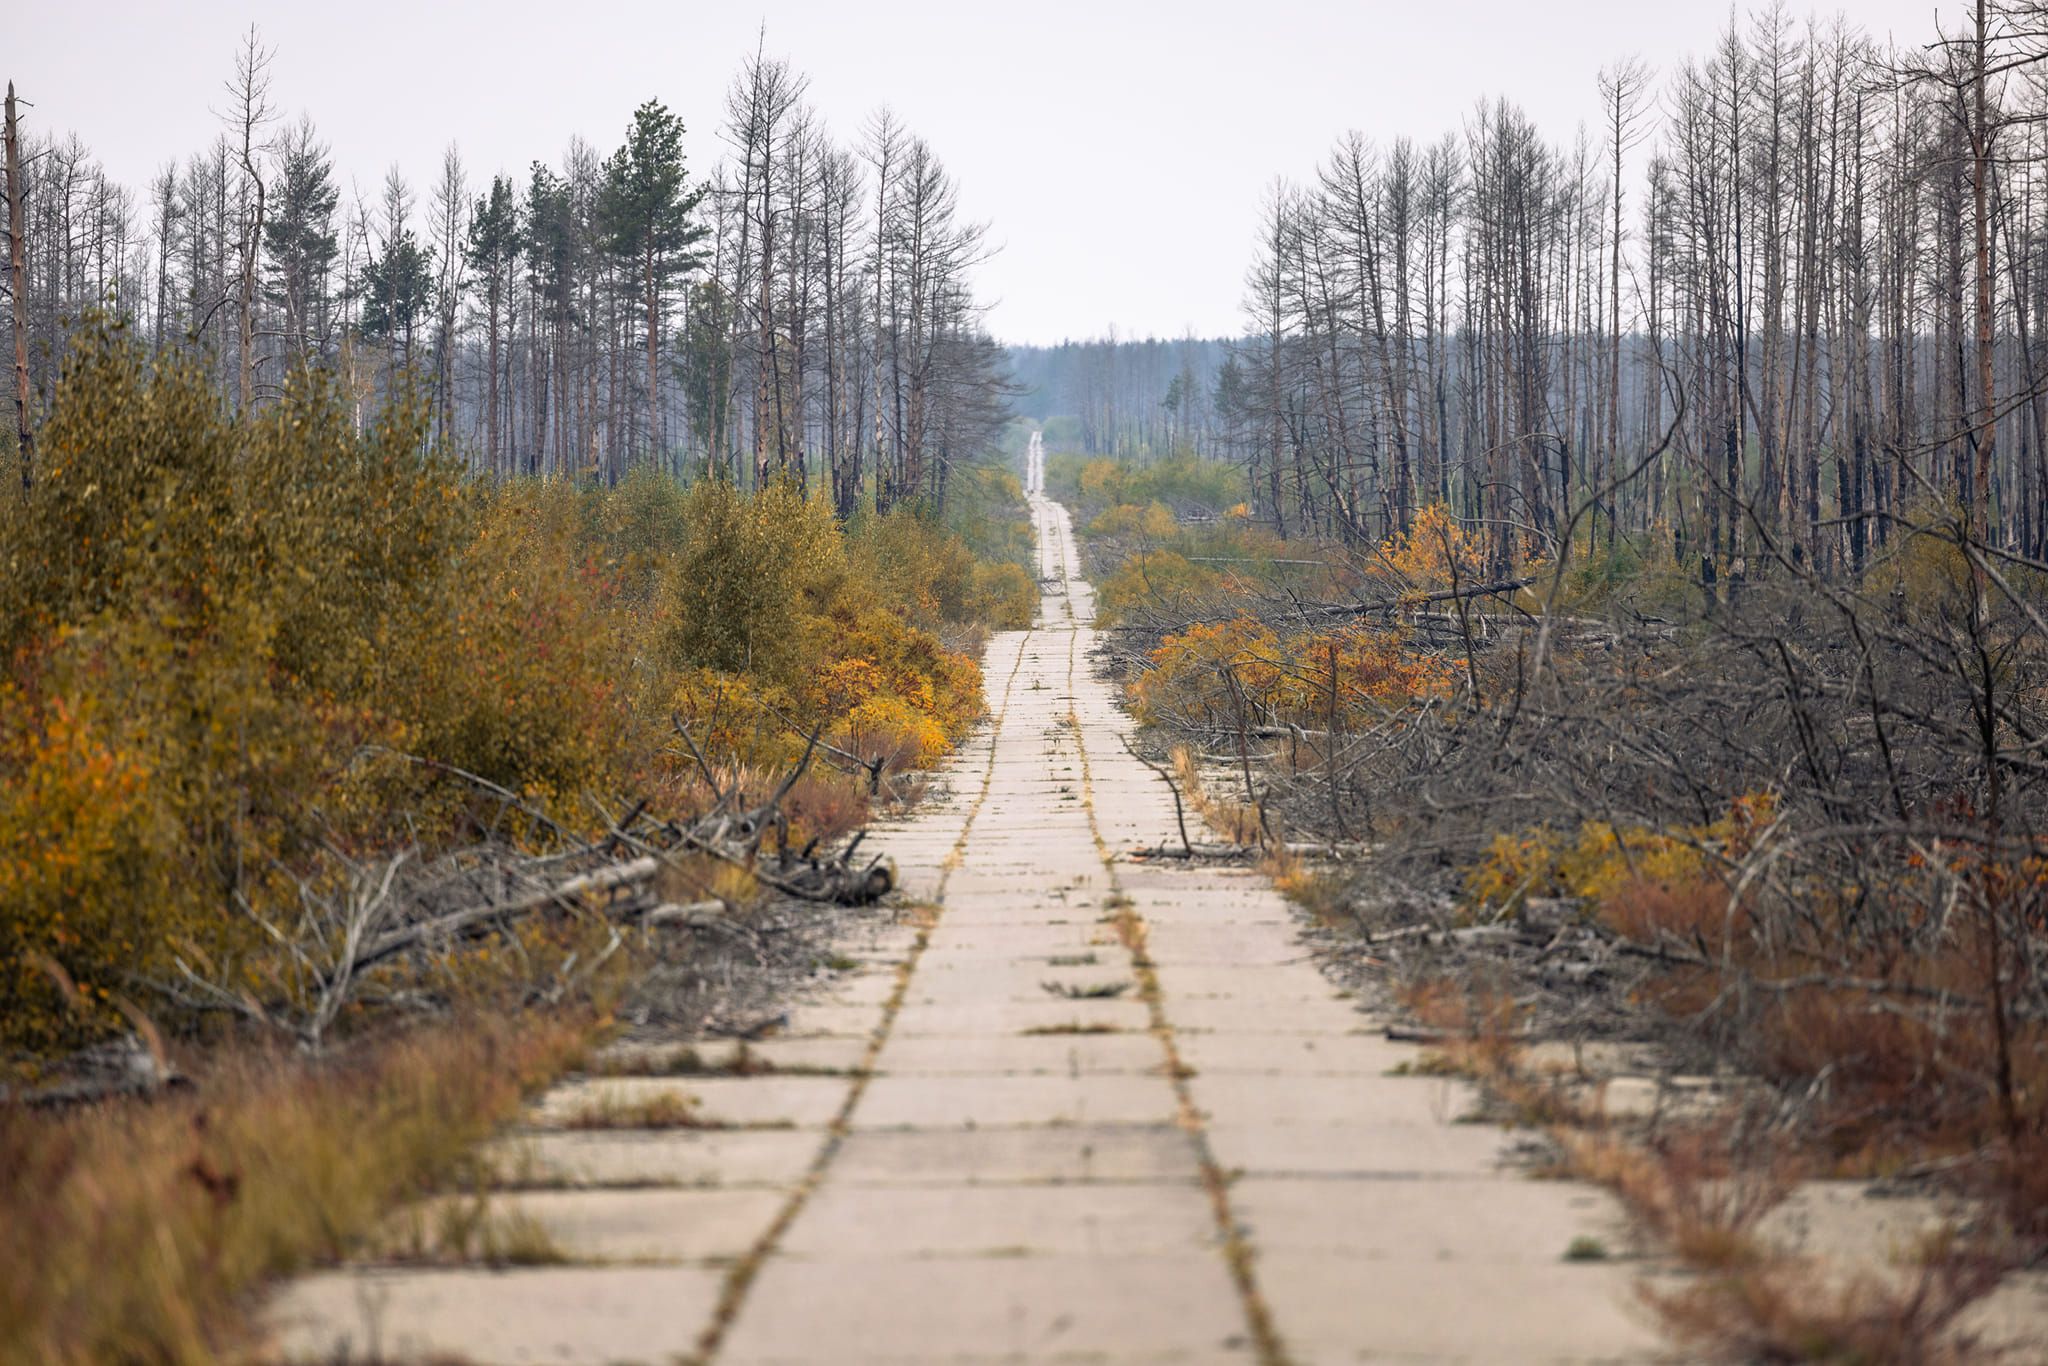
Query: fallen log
(1413, 1034)
(484, 919)
(697, 915)
(1194, 850)
(1198, 850)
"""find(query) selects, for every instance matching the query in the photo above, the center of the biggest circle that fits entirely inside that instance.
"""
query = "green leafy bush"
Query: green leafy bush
(233, 644)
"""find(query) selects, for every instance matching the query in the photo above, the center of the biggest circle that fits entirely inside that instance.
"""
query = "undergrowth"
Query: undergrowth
(234, 649)
(1702, 1189)
(137, 1230)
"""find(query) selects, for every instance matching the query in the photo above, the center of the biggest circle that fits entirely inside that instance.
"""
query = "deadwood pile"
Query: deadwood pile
(1850, 780)
(389, 934)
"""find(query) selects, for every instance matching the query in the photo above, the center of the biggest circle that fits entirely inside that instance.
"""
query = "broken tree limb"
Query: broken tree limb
(696, 915)
(484, 919)
(1179, 817)
(1199, 849)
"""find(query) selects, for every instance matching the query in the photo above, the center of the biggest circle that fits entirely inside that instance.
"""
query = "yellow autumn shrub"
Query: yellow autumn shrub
(1163, 579)
(516, 681)
(931, 574)
(1435, 550)
(735, 595)
(234, 643)
(894, 730)
(1199, 675)
(1153, 521)
(627, 534)
(1600, 859)
(1356, 671)
(1102, 481)
(783, 623)
(216, 779)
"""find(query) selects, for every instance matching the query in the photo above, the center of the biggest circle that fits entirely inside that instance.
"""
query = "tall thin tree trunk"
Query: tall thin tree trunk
(17, 276)
(653, 357)
(1987, 382)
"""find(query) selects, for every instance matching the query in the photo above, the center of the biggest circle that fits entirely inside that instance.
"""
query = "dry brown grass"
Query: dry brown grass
(1790, 1311)
(1703, 1191)
(139, 1231)
(467, 1230)
(662, 1110)
(1479, 1021)
(825, 806)
(1896, 1056)
(1237, 822)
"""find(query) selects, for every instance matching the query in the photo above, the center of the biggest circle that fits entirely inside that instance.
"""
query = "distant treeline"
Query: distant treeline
(806, 307)
(1128, 397)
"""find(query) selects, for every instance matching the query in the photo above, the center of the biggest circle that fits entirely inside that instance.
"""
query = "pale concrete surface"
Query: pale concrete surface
(1030, 1171)
(868, 1311)
(568, 1315)
(656, 1158)
(708, 1225)
(1031, 1155)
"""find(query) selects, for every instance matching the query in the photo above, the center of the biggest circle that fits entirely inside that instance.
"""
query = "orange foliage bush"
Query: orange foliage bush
(1434, 551)
(1240, 670)
(78, 833)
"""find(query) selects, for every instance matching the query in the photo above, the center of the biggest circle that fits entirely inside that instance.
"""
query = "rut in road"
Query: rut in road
(1082, 1108)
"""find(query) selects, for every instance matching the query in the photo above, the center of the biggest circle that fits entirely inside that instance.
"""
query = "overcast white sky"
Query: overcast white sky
(1118, 150)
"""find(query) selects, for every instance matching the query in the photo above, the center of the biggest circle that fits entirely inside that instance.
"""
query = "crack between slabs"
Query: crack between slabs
(1237, 1250)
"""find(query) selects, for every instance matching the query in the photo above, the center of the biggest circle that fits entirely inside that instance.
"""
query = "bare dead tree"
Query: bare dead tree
(17, 276)
(249, 110)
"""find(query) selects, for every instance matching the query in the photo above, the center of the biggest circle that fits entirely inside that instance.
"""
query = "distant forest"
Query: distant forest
(1122, 397)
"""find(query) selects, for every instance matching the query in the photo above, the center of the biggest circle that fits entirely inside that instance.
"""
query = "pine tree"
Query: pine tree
(300, 241)
(491, 251)
(648, 216)
(398, 291)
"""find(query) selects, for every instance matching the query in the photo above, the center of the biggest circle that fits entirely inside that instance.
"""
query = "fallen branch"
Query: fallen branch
(484, 919)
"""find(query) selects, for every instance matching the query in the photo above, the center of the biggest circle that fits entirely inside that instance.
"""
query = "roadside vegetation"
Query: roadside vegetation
(285, 695)
(1789, 835)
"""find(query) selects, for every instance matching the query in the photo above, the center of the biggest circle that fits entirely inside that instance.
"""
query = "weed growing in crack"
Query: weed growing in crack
(1586, 1249)
(1090, 991)
(465, 1231)
(663, 1110)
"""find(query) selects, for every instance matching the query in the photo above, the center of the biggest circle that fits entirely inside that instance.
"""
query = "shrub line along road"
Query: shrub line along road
(1010, 1137)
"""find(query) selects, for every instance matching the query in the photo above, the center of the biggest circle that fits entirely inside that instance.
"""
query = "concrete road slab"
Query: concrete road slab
(1152, 1153)
(566, 1315)
(649, 1225)
(892, 1102)
(1100, 1220)
(1040, 1054)
(685, 1157)
(902, 1312)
